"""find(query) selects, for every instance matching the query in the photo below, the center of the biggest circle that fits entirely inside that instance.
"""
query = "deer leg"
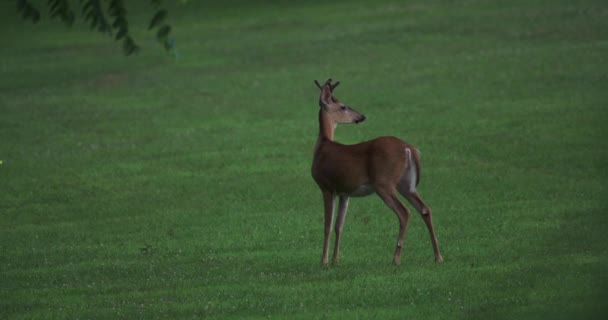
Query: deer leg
(329, 200)
(342, 207)
(403, 214)
(427, 215)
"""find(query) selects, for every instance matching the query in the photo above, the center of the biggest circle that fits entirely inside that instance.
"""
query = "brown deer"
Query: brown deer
(385, 165)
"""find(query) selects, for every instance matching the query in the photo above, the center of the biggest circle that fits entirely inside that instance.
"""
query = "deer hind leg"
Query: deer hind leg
(391, 200)
(414, 198)
(342, 208)
(407, 188)
(329, 200)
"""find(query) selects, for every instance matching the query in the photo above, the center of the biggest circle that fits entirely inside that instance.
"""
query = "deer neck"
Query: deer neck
(326, 127)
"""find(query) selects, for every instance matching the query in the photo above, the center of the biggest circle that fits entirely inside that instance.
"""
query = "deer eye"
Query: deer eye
(343, 107)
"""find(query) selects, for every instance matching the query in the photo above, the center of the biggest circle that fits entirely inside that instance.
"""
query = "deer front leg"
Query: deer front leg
(328, 201)
(342, 207)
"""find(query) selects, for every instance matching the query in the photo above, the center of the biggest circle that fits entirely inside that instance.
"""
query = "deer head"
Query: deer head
(337, 111)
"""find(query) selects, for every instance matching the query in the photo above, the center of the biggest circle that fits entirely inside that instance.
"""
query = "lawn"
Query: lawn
(158, 186)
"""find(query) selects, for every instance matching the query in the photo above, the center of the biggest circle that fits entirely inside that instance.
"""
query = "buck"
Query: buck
(385, 165)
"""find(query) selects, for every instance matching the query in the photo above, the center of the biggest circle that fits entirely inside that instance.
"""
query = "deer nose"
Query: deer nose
(360, 119)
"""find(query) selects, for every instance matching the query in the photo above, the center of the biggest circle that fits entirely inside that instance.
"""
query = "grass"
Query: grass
(148, 187)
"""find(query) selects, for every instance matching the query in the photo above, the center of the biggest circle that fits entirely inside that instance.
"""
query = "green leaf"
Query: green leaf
(87, 7)
(120, 22)
(95, 13)
(28, 12)
(157, 19)
(117, 11)
(54, 5)
(69, 18)
(121, 33)
(90, 16)
(163, 32)
(129, 47)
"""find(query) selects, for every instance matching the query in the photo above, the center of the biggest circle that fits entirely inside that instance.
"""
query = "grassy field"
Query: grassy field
(149, 187)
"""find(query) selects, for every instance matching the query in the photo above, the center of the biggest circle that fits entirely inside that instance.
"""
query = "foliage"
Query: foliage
(106, 17)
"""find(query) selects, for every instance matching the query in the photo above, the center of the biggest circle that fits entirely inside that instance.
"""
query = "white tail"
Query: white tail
(385, 165)
(411, 171)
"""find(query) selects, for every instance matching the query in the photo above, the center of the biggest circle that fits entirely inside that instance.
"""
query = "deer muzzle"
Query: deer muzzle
(360, 119)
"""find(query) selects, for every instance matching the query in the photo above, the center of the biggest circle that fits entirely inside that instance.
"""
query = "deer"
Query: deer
(385, 165)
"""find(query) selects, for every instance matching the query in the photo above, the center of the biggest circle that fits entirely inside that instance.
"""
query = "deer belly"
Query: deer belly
(362, 191)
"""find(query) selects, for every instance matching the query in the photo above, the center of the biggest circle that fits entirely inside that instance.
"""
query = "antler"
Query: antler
(327, 83)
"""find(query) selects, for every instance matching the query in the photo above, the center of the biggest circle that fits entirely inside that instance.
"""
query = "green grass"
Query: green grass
(148, 187)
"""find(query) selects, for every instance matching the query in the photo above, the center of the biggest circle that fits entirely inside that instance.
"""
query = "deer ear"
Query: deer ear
(326, 96)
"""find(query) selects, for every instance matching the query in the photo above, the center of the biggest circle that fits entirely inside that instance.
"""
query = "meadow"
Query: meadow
(178, 187)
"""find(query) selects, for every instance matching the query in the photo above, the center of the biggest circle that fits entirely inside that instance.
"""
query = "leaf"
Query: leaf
(103, 16)
(28, 12)
(120, 22)
(35, 15)
(113, 5)
(169, 44)
(129, 47)
(157, 19)
(61, 9)
(118, 11)
(89, 16)
(54, 6)
(121, 33)
(163, 32)
(69, 18)
(87, 7)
